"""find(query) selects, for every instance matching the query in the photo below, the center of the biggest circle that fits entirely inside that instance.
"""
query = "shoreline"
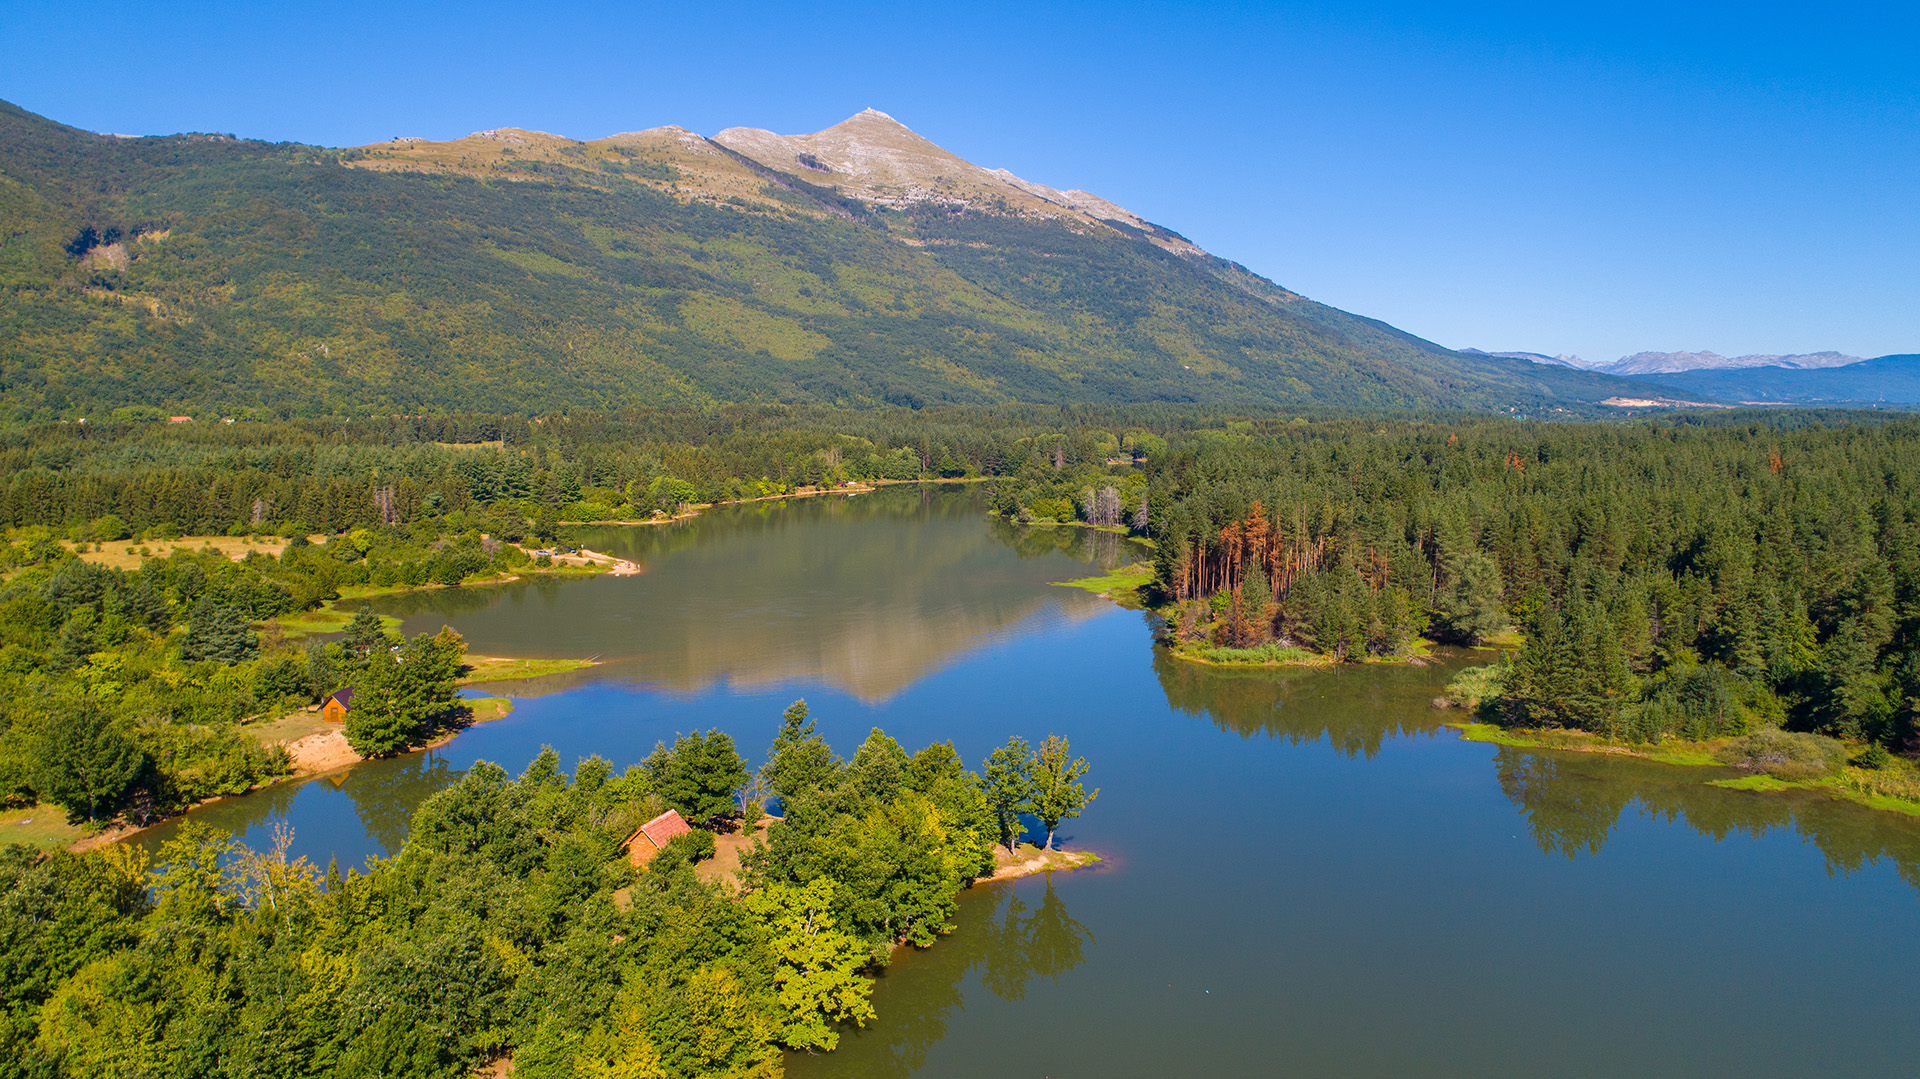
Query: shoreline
(325, 752)
(1032, 860)
(695, 509)
(1843, 785)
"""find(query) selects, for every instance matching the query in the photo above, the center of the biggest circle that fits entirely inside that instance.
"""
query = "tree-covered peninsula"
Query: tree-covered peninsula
(514, 924)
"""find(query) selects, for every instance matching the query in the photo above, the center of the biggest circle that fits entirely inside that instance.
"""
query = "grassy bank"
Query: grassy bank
(505, 669)
(1121, 585)
(1895, 789)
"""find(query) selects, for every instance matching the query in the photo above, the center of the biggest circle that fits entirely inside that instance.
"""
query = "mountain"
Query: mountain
(1887, 380)
(1655, 363)
(1535, 357)
(516, 270)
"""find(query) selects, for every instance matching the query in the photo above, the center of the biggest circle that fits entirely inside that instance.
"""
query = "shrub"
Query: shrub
(1875, 757)
(1784, 754)
(1476, 684)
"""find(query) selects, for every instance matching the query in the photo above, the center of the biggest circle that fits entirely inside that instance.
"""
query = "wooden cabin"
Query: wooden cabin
(335, 709)
(653, 836)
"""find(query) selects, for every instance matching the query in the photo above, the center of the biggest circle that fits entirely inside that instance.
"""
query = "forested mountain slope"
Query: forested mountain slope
(526, 272)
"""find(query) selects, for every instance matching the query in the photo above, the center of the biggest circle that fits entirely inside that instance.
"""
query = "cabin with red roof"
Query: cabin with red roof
(653, 836)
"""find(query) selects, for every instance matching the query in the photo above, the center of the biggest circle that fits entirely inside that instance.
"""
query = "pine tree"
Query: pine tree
(218, 633)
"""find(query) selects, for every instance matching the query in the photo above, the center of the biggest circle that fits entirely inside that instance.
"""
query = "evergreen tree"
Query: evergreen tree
(402, 696)
(799, 762)
(699, 775)
(323, 677)
(1469, 609)
(218, 633)
(364, 635)
(77, 641)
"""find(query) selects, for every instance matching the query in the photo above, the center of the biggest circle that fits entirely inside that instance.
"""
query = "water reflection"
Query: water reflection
(1010, 941)
(866, 594)
(1355, 709)
(381, 794)
(1573, 803)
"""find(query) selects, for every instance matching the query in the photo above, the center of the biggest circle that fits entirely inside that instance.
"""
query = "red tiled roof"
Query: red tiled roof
(664, 827)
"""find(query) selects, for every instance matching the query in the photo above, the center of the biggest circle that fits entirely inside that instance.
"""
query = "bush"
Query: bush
(1271, 652)
(683, 850)
(1784, 754)
(1477, 684)
(1695, 703)
(1874, 757)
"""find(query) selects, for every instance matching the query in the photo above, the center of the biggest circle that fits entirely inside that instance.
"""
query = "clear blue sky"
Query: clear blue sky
(1598, 179)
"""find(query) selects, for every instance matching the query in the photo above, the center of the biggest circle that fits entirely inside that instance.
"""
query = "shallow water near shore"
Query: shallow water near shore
(1305, 873)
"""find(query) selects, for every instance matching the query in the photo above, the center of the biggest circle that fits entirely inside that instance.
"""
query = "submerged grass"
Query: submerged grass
(1120, 585)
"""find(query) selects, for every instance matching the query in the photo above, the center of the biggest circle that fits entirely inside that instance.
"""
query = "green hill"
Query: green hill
(519, 271)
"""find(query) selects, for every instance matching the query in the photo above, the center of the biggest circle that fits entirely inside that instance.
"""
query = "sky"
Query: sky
(1594, 179)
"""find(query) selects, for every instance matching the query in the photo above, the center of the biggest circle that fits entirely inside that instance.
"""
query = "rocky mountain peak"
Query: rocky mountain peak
(875, 158)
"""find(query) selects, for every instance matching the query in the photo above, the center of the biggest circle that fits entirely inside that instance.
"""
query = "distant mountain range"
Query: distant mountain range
(1658, 363)
(1761, 378)
(1885, 380)
(522, 271)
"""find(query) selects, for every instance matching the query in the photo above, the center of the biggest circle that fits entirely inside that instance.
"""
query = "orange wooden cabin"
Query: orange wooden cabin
(654, 836)
(336, 707)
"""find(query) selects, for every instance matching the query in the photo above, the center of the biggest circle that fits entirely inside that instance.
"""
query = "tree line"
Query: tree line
(1686, 578)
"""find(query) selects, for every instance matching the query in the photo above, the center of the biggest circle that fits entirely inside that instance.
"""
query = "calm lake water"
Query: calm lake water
(1305, 874)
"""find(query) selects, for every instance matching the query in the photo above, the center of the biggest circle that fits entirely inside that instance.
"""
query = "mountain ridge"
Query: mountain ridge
(513, 269)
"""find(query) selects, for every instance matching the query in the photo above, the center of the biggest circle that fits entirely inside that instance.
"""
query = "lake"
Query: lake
(1305, 873)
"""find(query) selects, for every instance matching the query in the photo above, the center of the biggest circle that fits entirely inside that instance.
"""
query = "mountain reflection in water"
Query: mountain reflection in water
(868, 595)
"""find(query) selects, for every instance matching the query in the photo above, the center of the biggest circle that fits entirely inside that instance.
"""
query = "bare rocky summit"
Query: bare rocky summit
(1655, 363)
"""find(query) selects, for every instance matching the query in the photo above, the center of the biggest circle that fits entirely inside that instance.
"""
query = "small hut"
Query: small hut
(653, 836)
(336, 707)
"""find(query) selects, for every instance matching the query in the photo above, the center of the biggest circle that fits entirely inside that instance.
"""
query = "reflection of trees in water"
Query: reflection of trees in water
(1572, 803)
(1012, 942)
(1106, 550)
(1355, 710)
(386, 793)
(238, 815)
(1569, 812)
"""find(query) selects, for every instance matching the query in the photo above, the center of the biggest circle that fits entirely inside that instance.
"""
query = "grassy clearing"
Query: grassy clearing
(42, 826)
(295, 725)
(128, 554)
(488, 709)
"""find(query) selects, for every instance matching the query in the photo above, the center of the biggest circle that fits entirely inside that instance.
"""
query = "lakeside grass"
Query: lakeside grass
(1860, 786)
(1266, 655)
(1121, 585)
(506, 669)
